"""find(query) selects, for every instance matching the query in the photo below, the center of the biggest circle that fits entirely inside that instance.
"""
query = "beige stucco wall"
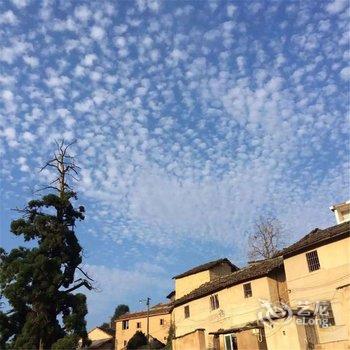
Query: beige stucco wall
(322, 285)
(97, 334)
(285, 335)
(235, 310)
(186, 284)
(156, 330)
(192, 341)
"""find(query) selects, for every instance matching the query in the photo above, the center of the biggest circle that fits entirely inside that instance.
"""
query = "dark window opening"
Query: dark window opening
(247, 287)
(214, 302)
(187, 311)
(326, 315)
(312, 260)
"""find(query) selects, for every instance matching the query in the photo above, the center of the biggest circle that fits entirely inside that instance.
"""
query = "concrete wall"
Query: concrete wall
(156, 330)
(286, 336)
(186, 284)
(323, 284)
(191, 341)
(98, 334)
(246, 340)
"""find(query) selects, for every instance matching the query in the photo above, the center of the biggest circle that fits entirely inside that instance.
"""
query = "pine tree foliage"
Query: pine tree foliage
(40, 282)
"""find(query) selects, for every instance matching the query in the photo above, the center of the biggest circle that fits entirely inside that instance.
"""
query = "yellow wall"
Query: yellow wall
(285, 335)
(156, 330)
(192, 341)
(235, 309)
(186, 284)
(322, 285)
(97, 334)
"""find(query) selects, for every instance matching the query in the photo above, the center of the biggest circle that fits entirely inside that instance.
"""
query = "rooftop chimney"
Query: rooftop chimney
(341, 211)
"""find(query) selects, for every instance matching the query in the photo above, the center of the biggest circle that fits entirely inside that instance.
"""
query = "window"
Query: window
(230, 342)
(326, 315)
(214, 302)
(312, 260)
(187, 311)
(125, 324)
(247, 288)
(125, 342)
(138, 325)
(161, 321)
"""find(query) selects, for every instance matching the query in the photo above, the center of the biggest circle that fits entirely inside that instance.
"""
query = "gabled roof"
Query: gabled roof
(158, 310)
(206, 266)
(109, 331)
(316, 238)
(256, 270)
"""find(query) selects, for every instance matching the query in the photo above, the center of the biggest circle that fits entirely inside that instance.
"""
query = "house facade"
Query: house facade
(159, 323)
(101, 338)
(297, 300)
(223, 313)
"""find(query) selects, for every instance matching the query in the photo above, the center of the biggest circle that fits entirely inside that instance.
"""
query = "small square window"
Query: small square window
(161, 321)
(138, 325)
(247, 288)
(312, 261)
(187, 311)
(325, 314)
(214, 302)
(125, 324)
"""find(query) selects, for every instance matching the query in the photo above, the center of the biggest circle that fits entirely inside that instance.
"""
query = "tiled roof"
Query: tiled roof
(97, 344)
(317, 237)
(206, 266)
(165, 309)
(250, 272)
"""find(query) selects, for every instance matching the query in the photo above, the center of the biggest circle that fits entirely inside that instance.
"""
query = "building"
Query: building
(318, 277)
(101, 338)
(297, 300)
(159, 323)
(222, 313)
(305, 289)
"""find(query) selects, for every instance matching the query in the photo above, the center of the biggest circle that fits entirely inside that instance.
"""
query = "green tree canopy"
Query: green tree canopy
(40, 282)
(120, 310)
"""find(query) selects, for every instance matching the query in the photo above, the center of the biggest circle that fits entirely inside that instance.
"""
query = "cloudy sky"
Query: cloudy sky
(192, 118)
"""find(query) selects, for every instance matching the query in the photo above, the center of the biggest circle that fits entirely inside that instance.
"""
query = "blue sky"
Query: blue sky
(191, 120)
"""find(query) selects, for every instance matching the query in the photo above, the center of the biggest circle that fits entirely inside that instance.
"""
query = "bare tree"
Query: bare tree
(265, 239)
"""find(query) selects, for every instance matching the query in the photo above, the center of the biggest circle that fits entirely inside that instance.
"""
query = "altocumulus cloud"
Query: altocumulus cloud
(191, 119)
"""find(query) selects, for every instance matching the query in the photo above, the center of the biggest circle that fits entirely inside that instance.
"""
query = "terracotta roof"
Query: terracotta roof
(260, 269)
(158, 310)
(206, 266)
(317, 237)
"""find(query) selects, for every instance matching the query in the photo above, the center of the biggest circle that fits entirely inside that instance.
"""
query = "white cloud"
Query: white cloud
(345, 73)
(336, 6)
(83, 13)
(97, 33)
(7, 95)
(20, 3)
(8, 17)
(31, 61)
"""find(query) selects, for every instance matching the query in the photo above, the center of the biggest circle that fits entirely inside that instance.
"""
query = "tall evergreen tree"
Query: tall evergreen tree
(40, 282)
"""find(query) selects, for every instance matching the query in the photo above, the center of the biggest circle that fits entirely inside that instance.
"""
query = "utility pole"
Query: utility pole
(148, 304)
